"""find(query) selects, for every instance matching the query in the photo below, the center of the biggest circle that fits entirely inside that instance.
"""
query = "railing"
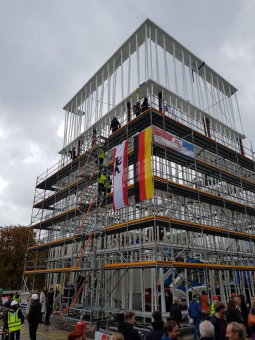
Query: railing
(168, 110)
(180, 175)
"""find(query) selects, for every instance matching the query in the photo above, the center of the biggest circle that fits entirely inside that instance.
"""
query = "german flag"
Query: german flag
(142, 166)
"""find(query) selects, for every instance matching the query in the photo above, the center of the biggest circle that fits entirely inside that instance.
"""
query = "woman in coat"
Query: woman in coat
(43, 299)
(244, 311)
(233, 314)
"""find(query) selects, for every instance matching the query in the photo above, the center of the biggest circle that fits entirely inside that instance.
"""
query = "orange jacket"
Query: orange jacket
(204, 303)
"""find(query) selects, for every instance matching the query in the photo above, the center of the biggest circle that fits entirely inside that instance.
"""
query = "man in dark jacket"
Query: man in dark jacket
(8, 303)
(218, 321)
(49, 306)
(195, 313)
(157, 325)
(34, 316)
(115, 125)
(175, 311)
(126, 328)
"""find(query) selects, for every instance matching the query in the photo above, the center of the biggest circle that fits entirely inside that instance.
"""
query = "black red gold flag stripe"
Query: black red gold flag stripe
(142, 166)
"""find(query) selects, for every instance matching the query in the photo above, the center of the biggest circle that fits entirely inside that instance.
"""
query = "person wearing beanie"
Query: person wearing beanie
(34, 316)
(14, 321)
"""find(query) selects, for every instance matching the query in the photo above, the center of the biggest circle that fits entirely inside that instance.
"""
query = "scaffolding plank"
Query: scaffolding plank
(174, 264)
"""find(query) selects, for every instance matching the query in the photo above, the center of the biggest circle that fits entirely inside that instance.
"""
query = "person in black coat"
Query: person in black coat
(175, 311)
(73, 154)
(10, 299)
(233, 314)
(245, 312)
(34, 316)
(169, 301)
(49, 306)
(145, 104)
(115, 125)
(126, 328)
(158, 324)
(218, 321)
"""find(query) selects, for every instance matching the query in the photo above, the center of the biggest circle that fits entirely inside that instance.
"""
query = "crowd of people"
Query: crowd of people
(212, 322)
(38, 304)
(218, 322)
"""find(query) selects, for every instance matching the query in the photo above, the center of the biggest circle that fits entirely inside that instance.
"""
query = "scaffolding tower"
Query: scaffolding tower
(196, 233)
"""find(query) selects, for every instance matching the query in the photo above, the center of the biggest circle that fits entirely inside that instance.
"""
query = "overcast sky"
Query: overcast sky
(49, 49)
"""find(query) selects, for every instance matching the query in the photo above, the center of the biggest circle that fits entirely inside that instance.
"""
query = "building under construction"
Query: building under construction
(186, 222)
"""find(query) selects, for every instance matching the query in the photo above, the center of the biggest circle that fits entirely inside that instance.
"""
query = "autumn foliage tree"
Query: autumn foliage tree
(13, 245)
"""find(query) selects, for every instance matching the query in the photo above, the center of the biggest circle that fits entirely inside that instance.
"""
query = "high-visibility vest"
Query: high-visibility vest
(212, 309)
(14, 323)
(101, 155)
(101, 179)
(18, 299)
(108, 184)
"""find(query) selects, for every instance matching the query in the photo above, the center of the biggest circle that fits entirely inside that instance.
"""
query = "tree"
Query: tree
(13, 245)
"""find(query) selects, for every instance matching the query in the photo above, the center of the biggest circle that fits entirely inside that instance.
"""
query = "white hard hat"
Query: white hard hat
(34, 297)
(14, 302)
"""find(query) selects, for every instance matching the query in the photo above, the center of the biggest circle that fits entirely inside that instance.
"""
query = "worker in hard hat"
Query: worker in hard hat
(108, 184)
(101, 156)
(17, 297)
(101, 184)
(34, 316)
(14, 320)
(233, 296)
(212, 308)
(1, 294)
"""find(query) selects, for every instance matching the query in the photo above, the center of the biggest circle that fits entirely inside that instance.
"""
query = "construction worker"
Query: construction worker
(34, 316)
(195, 313)
(101, 156)
(73, 153)
(115, 125)
(101, 184)
(108, 184)
(145, 104)
(17, 297)
(233, 296)
(137, 109)
(212, 309)
(14, 321)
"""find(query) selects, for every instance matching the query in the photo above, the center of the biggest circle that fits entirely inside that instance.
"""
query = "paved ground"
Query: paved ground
(45, 332)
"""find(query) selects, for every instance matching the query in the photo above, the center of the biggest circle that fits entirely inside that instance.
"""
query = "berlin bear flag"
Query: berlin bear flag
(120, 197)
